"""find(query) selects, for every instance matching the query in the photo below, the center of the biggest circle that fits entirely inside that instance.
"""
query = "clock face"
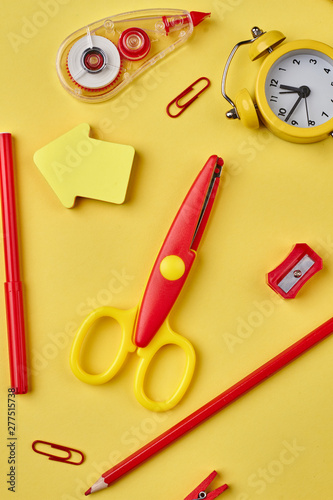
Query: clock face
(299, 88)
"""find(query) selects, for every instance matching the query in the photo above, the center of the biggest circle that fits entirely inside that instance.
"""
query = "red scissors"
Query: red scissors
(145, 328)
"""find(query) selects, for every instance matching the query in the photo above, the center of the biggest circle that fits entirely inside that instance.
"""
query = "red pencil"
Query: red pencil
(213, 406)
(13, 285)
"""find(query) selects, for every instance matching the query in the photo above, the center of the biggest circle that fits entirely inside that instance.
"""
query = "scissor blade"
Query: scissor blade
(177, 254)
(207, 204)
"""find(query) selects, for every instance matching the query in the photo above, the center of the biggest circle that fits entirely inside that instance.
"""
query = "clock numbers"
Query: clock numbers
(324, 114)
(273, 98)
(274, 83)
(313, 61)
(327, 70)
(296, 61)
(282, 112)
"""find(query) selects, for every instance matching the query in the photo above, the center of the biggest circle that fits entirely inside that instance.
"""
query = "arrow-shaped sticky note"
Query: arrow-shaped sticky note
(77, 165)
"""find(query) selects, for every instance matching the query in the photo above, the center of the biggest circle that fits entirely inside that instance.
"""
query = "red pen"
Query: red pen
(13, 285)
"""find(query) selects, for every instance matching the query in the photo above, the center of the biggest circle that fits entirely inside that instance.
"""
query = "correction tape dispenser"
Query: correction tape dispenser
(99, 60)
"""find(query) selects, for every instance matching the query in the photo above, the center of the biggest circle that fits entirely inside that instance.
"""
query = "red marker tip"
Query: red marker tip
(197, 17)
(88, 492)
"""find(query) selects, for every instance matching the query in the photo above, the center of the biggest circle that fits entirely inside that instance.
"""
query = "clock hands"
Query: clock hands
(307, 110)
(303, 92)
(300, 97)
(290, 89)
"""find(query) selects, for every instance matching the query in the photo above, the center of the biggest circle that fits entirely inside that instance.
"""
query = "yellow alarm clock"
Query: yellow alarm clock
(294, 88)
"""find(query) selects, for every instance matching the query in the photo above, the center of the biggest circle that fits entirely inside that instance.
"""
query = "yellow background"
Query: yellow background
(274, 443)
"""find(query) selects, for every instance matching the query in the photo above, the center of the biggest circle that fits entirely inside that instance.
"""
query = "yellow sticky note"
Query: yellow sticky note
(78, 165)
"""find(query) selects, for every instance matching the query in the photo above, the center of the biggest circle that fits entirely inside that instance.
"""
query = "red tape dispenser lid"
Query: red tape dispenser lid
(289, 277)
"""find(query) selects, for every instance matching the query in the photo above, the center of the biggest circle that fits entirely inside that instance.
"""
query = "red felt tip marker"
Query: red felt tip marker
(13, 284)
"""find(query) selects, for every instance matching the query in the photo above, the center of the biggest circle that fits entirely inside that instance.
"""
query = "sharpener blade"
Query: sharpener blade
(296, 273)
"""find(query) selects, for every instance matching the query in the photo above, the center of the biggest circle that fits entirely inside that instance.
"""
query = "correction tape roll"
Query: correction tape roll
(93, 62)
(99, 60)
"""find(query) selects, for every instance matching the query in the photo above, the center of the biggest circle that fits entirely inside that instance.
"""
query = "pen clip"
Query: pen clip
(56, 458)
(185, 92)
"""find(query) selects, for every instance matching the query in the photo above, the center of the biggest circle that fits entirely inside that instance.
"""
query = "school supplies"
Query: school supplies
(99, 60)
(289, 277)
(214, 406)
(200, 491)
(178, 102)
(56, 458)
(145, 328)
(75, 165)
(13, 285)
(293, 87)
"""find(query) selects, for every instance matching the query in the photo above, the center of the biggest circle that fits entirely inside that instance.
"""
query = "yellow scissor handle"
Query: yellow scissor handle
(165, 336)
(126, 320)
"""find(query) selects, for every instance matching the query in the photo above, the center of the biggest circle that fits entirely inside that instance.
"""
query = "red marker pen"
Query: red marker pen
(13, 285)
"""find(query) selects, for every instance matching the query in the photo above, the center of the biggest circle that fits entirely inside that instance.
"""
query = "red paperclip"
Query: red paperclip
(59, 447)
(185, 92)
